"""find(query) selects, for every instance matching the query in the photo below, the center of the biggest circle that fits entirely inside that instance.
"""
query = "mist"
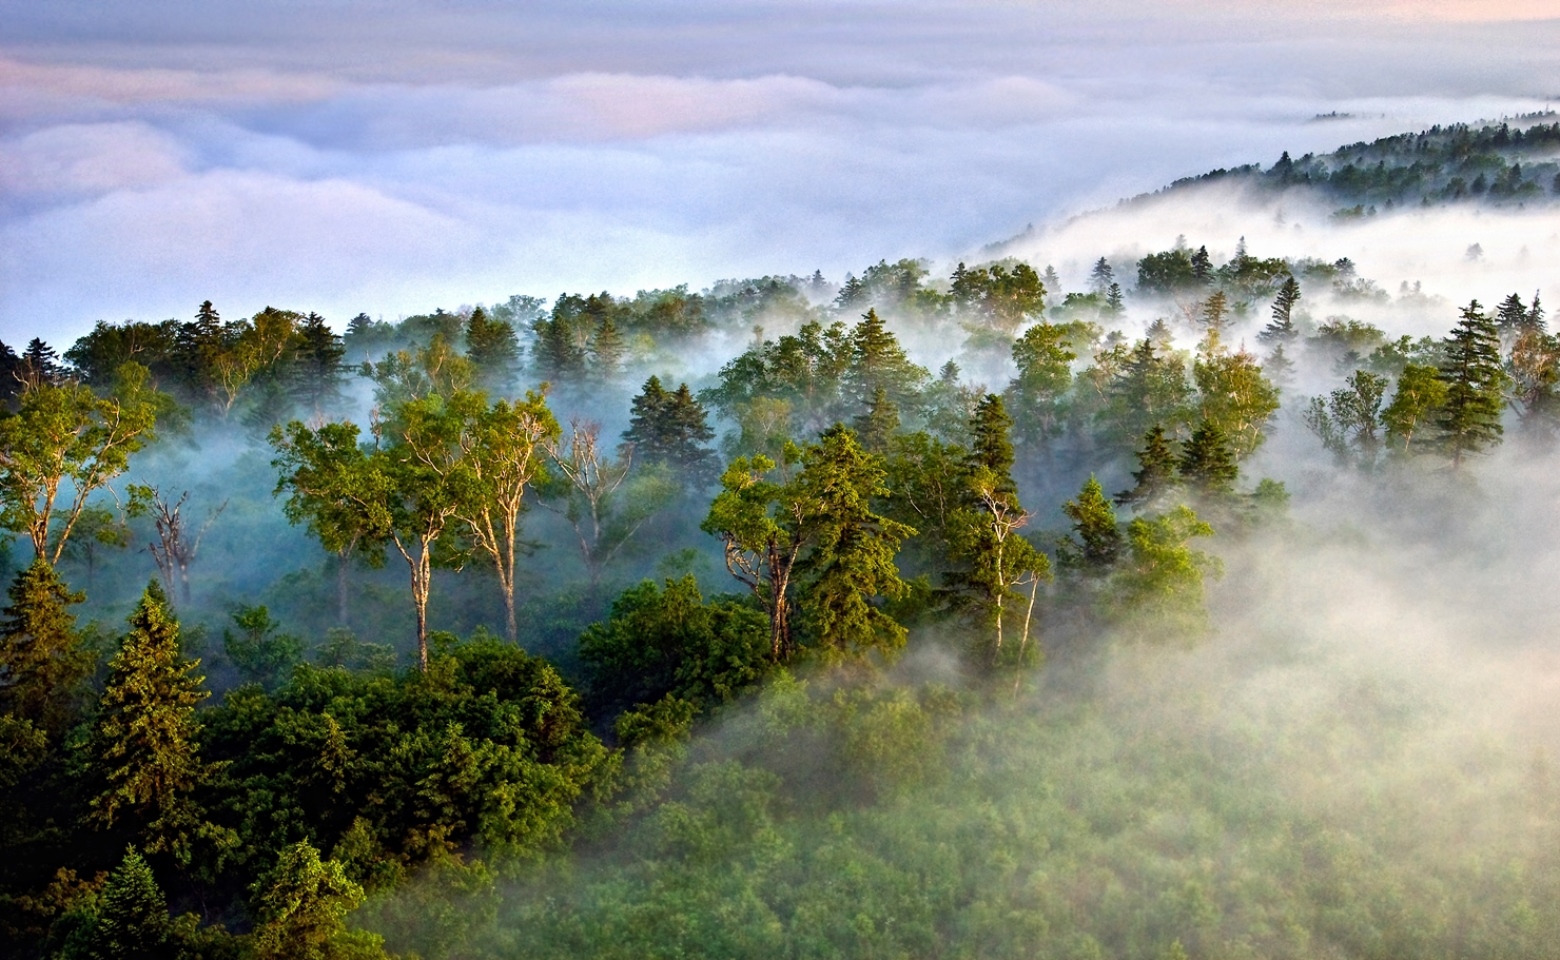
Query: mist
(378, 157)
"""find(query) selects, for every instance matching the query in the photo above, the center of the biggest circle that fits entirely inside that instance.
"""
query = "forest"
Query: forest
(1187, 607)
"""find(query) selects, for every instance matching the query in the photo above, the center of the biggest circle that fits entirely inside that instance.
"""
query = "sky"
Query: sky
(390, 157)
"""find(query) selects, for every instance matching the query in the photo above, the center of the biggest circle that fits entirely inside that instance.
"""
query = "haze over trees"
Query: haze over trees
(927, 619)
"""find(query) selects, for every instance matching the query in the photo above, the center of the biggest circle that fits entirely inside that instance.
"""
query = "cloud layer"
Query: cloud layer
(391, 157)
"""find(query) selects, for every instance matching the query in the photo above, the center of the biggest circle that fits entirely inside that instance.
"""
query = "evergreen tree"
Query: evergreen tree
(132, 916)
(557, 356)
(42, 661)
(878, 424)
(493, 349)
(1115, 303)
(877, 361)
(607, 350)
(1510, 317)
(1101, 277)
(318, 369)
(1202, 266)
(1281, 330)
(1469, 420)
(1158, 470)
(851, 563)
(672, 428)
(1044, 359)
(145, 742)
(302, 906)
(41, 363)
(1208, 461)
(1535, 317)
(1098, 537)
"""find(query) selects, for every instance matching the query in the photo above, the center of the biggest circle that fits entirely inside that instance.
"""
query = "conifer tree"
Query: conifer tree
(1281, 330)
(145, 743)
(1208, 461)
(1101, 277)
(1469, 420)
(878, 362)
(878, 424)
(42, 661)
(851, 563)
(1202, 266)
(132, 916)
(317, 367)
(302, 906)
(1511, 316)
(671, 428)
(607, 350)
(492, 348)
(1158, 470)
(1098, 537)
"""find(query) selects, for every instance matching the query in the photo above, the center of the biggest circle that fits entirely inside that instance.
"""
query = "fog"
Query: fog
(389, 156)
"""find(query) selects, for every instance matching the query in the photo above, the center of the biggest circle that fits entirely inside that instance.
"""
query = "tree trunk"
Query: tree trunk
(341, 589)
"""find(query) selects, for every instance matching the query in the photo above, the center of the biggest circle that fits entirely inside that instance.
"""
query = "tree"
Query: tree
(1149, 388)
(175, 549)
(606, 349)
(1158, 595)
(1420, 392)
(1213, 316)
(1101, 276)
(1159, 470)
(993, 560)
(145, 741)
(1202, 266)
(326, 475)
(317, 366)
(671, 428)
(132, 915)
(66, 441)
(260, 653)
(1533, 370)
(878, 362)
(760, 525)
(1281, 330)
(1511, 317)
(493, 349)
(1044, 356)
(301, 906)
(503, 448)
(605, 509)
(1208, 461)
(851, 558)
(42, 660)
(1346, 421)
(1234, 395)
(1098, 536)
(1469, 420)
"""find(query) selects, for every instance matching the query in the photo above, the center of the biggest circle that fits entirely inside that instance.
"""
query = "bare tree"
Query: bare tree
(175, 549)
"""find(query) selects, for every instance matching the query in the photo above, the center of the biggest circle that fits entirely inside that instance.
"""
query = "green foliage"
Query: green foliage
(1159, 470)
(1347, 420)
(1150, 388)
(1419, 394)
(145, 746)
(301, 907)
(1468, 421)
(1234, 396)
(672, 428)
(42, 660)
(661, 641)
(1208, 462)
(1097, 540)
(131, 921)
(260, 654)
(1158, 594)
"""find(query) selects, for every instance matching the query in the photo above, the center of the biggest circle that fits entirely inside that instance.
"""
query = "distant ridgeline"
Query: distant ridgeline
(1497, 164)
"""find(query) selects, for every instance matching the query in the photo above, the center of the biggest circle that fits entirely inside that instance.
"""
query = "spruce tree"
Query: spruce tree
(1202, 266)
(1281, 330)
(145, 744)
(1098, 537)
(318, 368)
(607, 350)
(1158, 470)
(671, 428)
(878, 424)
(1101, 277)
(1469, 420)
(42, 661)
(492, 348)
(878, 362)
(1511, 316)
(132, 915)
(1208, 461)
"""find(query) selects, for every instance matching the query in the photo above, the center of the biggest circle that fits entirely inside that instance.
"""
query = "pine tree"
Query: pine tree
(606, 351)
(1208, 461)
(1282, 330)
(556, 354)
(1098, 537)
(878, 424)
(991, 446)
(132, 916)
(1469, 420)
(318, 369)
(851, 563)
(145, 740)
(42, 661)
(671, 428)
(1158, 470)
(1202, 266)
(1101, 277)
(878, 362)
(492, 348)
(1511, 316)
(41, 363)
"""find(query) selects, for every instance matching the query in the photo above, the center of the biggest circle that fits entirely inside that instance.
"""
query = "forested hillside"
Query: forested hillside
(1174, 610)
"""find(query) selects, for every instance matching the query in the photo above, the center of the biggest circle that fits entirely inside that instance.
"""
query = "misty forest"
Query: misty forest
(1175, 607)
